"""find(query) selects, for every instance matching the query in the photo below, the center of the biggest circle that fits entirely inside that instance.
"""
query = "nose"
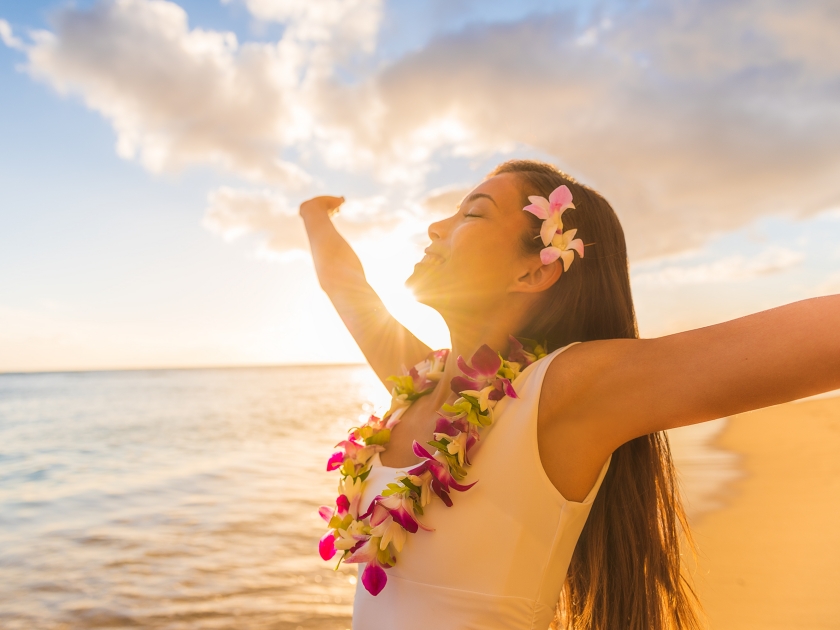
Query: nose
(436, 229)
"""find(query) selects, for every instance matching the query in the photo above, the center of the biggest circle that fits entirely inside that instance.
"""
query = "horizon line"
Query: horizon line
(249, 366)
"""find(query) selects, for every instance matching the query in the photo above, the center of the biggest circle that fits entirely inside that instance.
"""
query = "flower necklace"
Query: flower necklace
(376, 535)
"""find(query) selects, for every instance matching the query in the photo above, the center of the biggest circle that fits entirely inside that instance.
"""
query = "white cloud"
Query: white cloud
(692, 118)
(688, 128)
(830, 286)
(8, 36)
(358, 218)
(443, 202)
(353, 22)
(734, 268)
(233, 212)
(177, 96)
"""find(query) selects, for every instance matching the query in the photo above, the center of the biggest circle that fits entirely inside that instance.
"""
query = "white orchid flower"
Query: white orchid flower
(391, 532)
(424, 482)
(458, 446)
(348, 538)
(563, 246)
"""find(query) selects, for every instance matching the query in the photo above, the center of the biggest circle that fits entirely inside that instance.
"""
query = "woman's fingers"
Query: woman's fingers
(324, 203)
(335, 204)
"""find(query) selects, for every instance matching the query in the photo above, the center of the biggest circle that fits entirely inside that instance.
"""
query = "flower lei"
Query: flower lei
(376, 535)
(379, 533)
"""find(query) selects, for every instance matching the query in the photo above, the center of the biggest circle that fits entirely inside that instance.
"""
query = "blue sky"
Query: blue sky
(152, 156)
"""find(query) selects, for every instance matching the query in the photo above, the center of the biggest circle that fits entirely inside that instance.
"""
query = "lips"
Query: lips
(432, 259)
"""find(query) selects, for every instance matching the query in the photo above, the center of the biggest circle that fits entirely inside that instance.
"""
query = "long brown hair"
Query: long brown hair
(625, 573)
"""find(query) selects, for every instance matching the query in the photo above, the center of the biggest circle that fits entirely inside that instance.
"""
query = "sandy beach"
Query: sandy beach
(771, 558)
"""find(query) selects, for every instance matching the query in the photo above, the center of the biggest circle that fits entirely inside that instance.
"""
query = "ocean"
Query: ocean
(188, 498)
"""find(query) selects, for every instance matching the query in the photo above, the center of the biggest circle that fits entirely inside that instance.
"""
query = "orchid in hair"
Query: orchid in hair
(558, 244)
(563, 246)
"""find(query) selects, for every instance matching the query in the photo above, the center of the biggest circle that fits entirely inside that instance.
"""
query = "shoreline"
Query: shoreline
(706, 472)
(769, 557)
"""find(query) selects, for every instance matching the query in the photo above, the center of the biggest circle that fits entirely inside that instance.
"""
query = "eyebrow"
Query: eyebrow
(475, 196)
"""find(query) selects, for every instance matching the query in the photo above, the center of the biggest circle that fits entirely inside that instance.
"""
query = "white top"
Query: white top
(498, 557)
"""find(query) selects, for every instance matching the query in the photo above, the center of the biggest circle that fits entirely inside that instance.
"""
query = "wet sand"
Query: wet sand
(770, 559)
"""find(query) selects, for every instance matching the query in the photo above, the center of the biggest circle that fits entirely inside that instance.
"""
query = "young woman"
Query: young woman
(576, 499)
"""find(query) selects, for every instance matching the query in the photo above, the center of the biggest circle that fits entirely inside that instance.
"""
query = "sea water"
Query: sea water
(188, 498)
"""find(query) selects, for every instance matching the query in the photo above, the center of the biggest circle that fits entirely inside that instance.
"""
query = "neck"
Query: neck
(468, 334)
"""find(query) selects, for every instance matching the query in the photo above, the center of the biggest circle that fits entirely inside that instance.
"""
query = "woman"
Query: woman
(576, 499)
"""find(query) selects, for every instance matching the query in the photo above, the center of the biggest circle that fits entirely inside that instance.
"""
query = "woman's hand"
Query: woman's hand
(320, 205)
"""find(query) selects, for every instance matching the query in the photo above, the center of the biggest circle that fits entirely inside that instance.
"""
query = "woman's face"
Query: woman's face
(475, 255)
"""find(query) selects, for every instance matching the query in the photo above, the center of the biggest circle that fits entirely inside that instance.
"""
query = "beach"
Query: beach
(770, 558)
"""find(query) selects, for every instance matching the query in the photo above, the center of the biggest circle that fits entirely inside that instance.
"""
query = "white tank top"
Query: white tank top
(498, 557)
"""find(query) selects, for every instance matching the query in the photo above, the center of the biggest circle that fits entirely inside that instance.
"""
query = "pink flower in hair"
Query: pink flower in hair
(559, 244)
(551, 210)
(563, 246)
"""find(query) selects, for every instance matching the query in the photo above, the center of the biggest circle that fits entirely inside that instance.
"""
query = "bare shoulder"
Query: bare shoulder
(573, 448)
(575, 378)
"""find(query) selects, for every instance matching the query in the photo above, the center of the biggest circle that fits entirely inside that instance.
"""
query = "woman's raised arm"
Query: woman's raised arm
(386, 344)
(625, 388)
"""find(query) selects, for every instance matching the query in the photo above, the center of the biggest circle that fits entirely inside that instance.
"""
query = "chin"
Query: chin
(414, 284)
(421, 285)
(433, 287)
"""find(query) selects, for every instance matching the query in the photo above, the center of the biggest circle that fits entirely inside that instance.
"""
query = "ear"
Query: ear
(536, 277)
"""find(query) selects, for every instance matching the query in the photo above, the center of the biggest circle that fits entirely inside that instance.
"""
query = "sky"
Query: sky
(153, 155)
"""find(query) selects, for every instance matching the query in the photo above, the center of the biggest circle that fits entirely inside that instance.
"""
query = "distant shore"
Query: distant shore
(770, 559)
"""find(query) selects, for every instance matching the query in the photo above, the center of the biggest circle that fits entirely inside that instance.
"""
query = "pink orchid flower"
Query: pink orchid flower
(358, 453)
(445, 425)
(518, 353)
(326, 546)
(563, 246)
(326, 512)
(485, 363)
(551, 210)
(398, 506)
(440, 470)
(441, 492)
(475, 380)
(342, 504)
(482, 380)
(373, 577)
(351, 489)
(335, 460)
(375, 422)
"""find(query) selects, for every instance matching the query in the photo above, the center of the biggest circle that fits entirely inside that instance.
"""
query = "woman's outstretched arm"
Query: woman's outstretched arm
(386, 344)
(600, 394)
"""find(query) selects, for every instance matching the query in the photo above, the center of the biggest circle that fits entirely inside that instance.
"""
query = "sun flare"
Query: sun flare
(388, 262)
